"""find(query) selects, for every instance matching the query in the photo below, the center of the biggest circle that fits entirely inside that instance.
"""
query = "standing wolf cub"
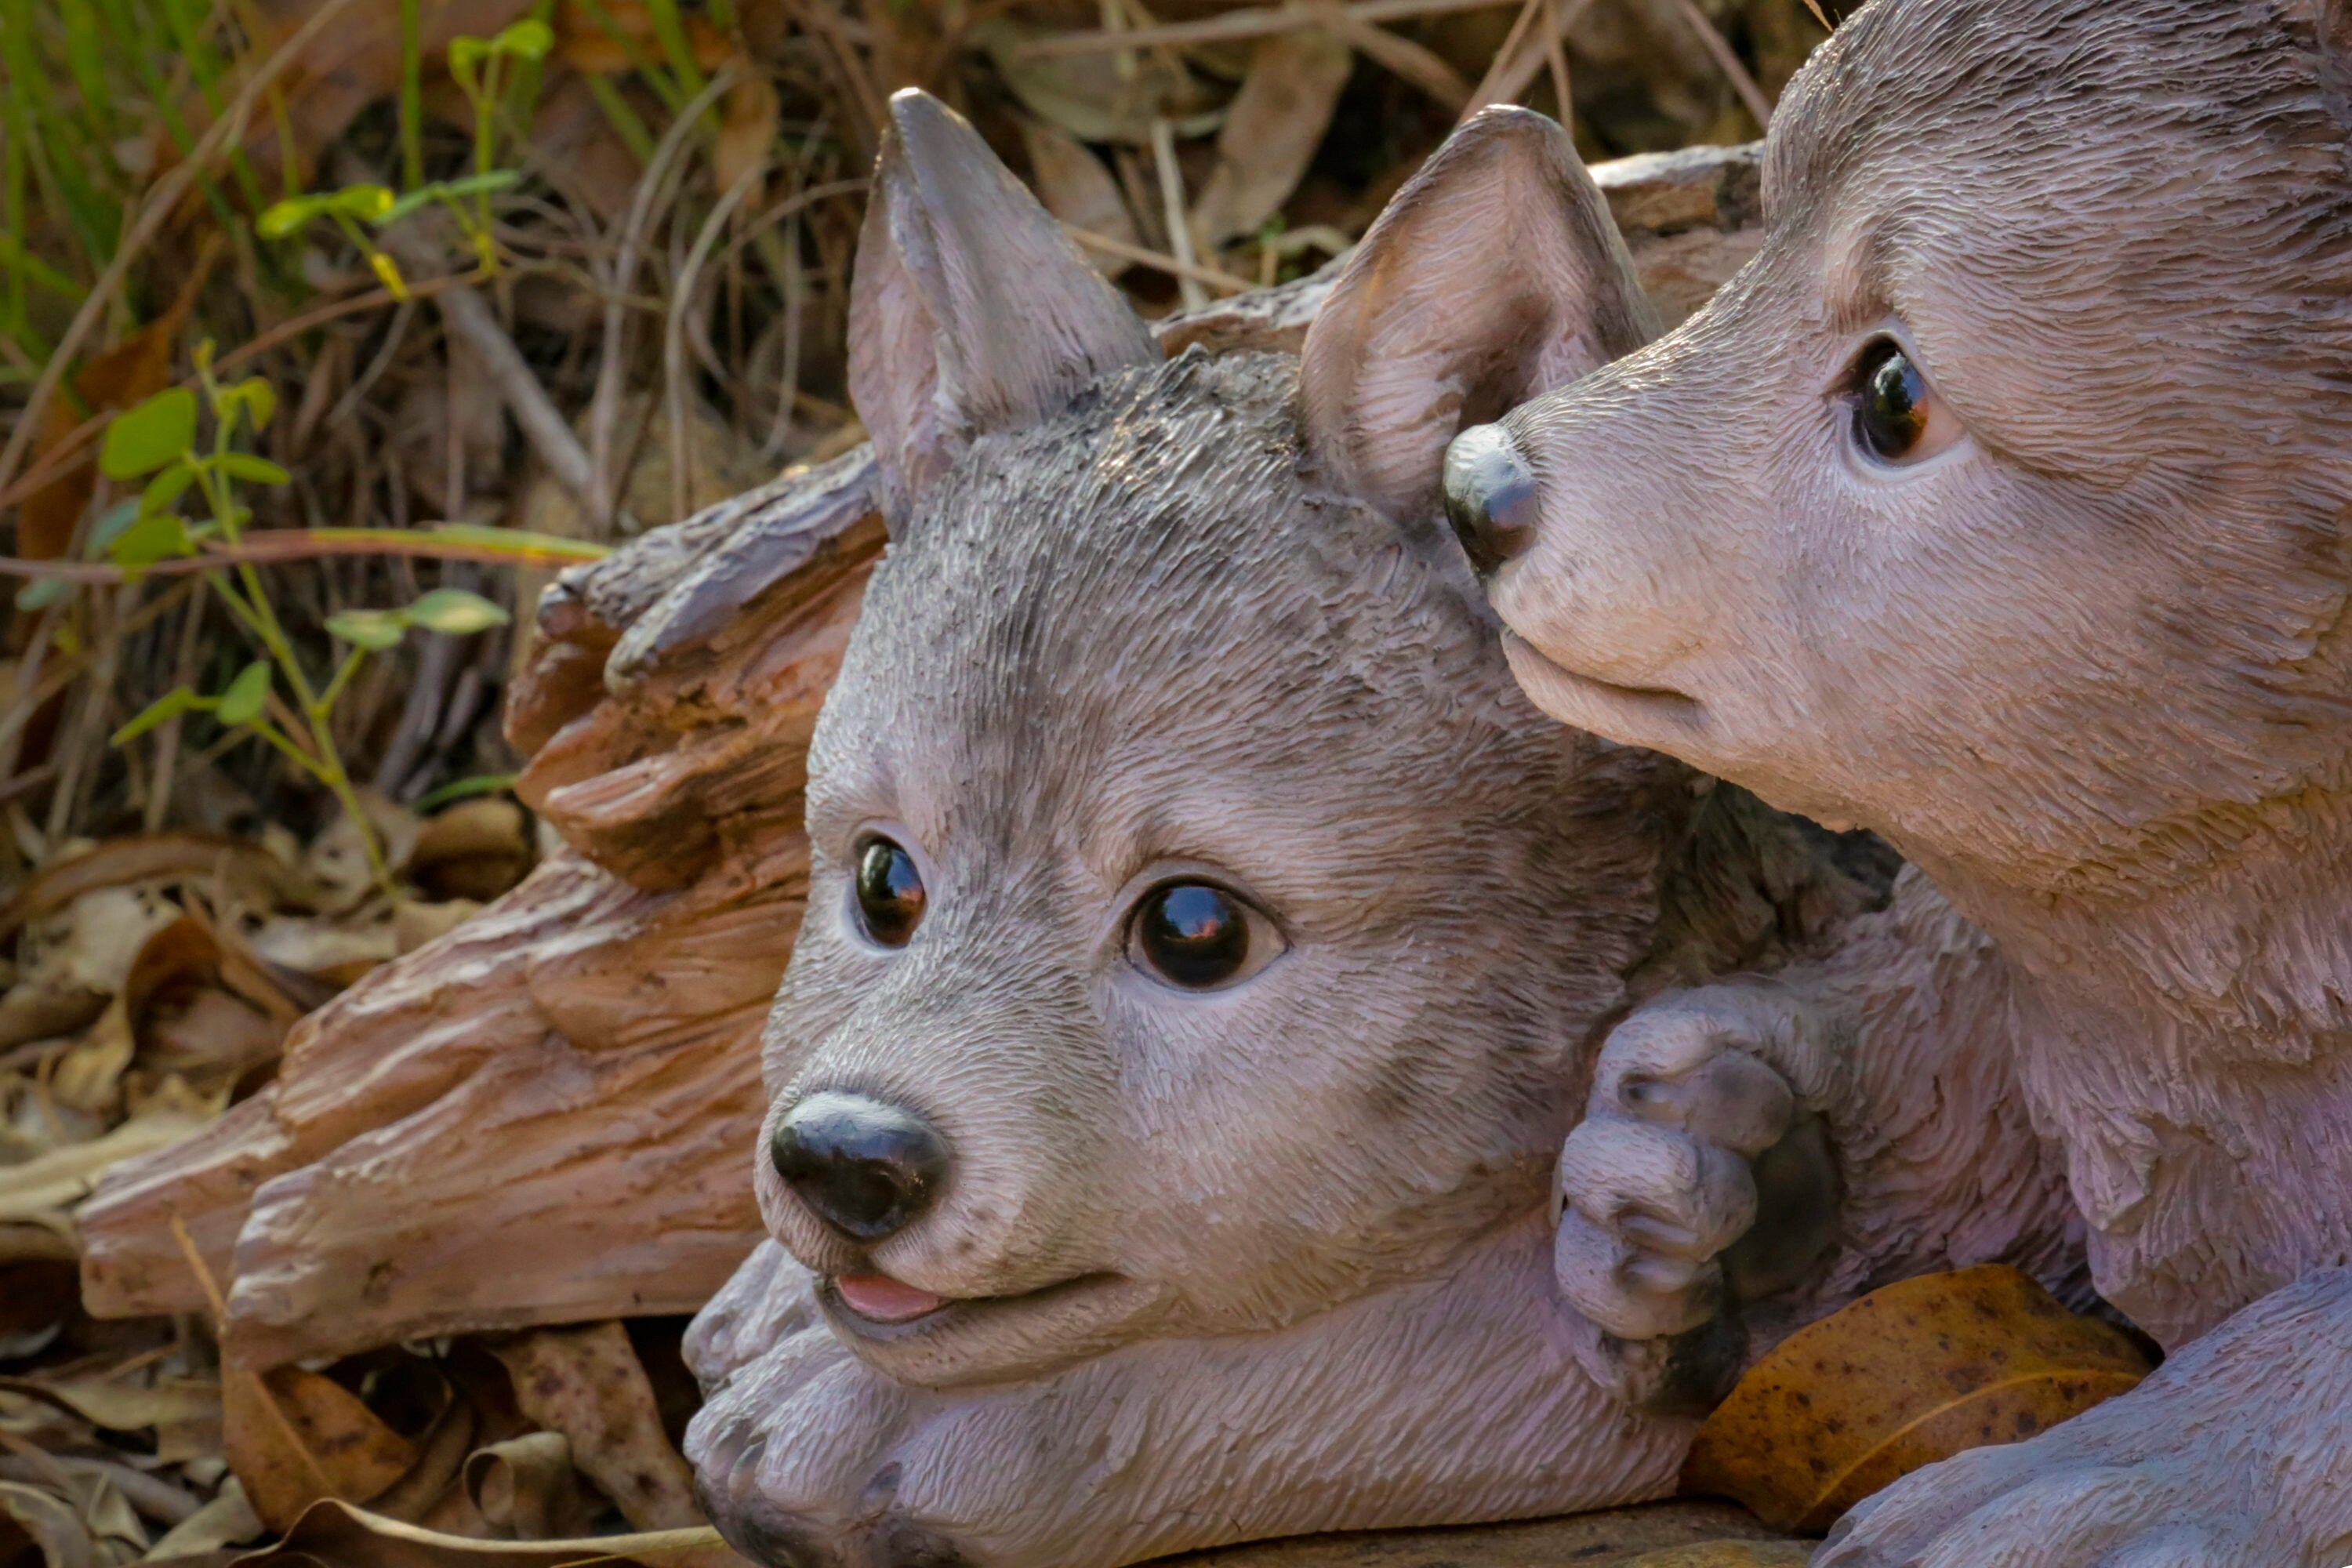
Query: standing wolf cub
(2001, 505)
(1207, 950)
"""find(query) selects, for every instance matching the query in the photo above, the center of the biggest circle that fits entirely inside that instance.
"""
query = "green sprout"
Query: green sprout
(157, 441)
(479, 67)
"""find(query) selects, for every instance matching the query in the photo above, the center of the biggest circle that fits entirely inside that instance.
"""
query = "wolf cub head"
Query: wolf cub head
(2000, 502)
(1202, 928)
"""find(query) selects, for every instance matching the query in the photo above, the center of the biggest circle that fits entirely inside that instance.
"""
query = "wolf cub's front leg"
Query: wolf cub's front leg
(1757, 1152)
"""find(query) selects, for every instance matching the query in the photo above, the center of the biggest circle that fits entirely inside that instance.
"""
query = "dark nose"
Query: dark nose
(868, 1169)
(1490, 496)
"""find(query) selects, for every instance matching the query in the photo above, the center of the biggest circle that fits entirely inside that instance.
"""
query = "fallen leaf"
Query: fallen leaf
(476, 849)
(227, 1520)
(1088, 95)
(528, 1488)
(44, 1190)
(588, 1384)
(1075, 187)
(415, 924)
(1905, 1376)
(336, 865)
(295, 1437)
(34, 1519)
(1271, 132)
(337, 1535)
(126, 1405)
(88, 1077)
(249, 870)
(442, 1452)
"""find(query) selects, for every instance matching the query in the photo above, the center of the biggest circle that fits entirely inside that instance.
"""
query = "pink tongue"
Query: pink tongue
(884, 1299)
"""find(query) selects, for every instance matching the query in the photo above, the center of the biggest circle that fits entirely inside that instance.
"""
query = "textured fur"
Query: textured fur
(1272, 1258)
(2088, 668)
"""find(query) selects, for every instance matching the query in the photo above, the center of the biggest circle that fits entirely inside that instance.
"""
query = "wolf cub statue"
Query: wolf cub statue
(1207, 948)
(2003, 505)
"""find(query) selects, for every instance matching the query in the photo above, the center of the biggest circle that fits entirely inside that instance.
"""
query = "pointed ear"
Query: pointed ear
(970, 312)
(1495, 275)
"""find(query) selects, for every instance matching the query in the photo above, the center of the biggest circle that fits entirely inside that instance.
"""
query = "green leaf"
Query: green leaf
(42, 591)
(259, 470)
(446, 191)
(171, 705)
(463, 789)
(466, 53)
(111, 525)
(359, 201)
(374, 630)
(283, 220)
(167, 487)
(260, 399)
(456, 612)
(142, 439)
(529, 39)
(158, 536)
(241, 703)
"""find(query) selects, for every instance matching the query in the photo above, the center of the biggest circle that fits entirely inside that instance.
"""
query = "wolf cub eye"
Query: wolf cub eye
(1199, 937)
(889, 892)
(1896, 415)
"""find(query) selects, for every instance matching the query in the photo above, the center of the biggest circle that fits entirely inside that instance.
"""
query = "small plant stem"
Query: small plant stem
(325, 762)
(349, 667)
(412, 96)
(294, 754)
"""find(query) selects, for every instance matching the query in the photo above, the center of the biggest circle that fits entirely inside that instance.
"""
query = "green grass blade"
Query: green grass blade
(412, 96)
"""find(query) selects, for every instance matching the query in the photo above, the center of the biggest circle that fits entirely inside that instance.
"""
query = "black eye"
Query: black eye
(889, 892)
(1192, 934)
(1892, 402)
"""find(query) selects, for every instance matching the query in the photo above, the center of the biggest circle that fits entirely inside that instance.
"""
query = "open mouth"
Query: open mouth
(939, 1341)
(1577, 698)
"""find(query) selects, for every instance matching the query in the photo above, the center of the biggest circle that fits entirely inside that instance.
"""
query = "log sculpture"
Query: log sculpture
(548, 1115)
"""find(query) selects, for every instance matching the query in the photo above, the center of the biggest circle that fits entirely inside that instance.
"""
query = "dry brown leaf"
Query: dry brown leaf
(1076, 188)
(440, 1461)
(227, 1520)
(415, 923)
(528, 1488)
(1088, 95)
(336, 1535)
(588, 1384)
(1905, 1376)
(44, 1190)
(295, 1437)
(1276, 121)
(88, 1077)
(37, 1525)
(249, 871)
(336, 867)
(476, 849)
(126, 1405)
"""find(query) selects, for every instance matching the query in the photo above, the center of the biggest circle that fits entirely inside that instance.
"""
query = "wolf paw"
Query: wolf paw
(1699, 1178)
(2004, 1508)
